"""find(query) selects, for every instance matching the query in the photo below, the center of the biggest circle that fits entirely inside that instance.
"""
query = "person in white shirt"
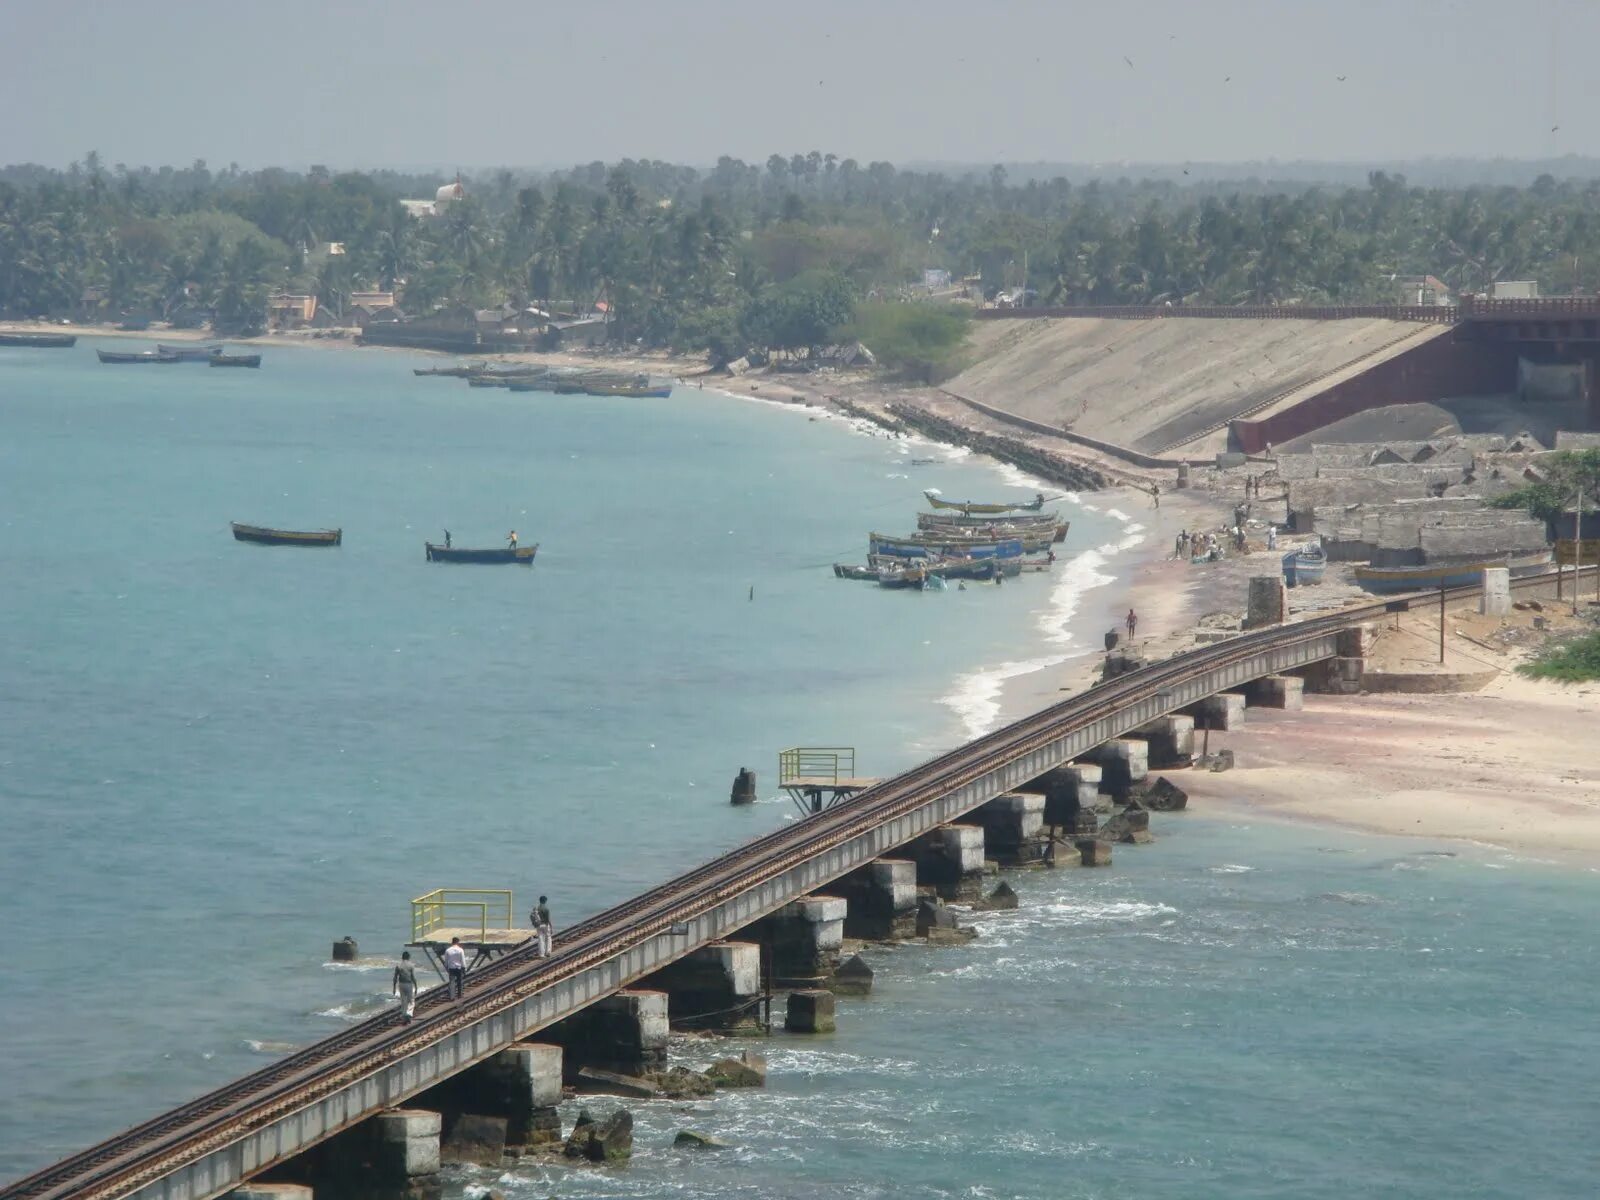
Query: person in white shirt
(455, 962)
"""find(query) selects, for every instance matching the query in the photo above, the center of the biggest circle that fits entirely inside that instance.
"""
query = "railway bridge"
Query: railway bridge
(220, 1141)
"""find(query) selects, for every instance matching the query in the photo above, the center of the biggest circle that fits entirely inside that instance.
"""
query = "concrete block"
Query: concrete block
(625, 1032)
(1356, 640)
(1170, 740)
(1276, 691)
(531, 1074)
(1123, 761)
(271, 1191)
(1496, 598)
(1013, 828)
(854, 976)
(405, 1145)
(882, 899)
(1094, 853)
(1067, 791)
(1267, 603)
(950, 860)
(810, 1011)
(1223, 711)
(473, 1138)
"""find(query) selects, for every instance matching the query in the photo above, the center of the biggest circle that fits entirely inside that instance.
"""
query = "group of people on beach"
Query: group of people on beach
(454, 959)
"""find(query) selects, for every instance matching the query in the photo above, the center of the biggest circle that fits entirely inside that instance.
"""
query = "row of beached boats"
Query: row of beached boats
(962, 540)
(213, 355)
(531, 377)
(263, 535)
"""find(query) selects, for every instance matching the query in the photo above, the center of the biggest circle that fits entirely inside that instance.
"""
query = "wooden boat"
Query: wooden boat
(974, 568)
(1304, 565)
(39, 341)
(137, 356)
(608, 385)
(915, 546)
(1029, 528)
(501, 554)
(263, 536)
(533, 383)
(636, 390)
(853, 571)
(190, 353)
(971, 507)
(1433, 576)
(902, 577)
(236, 360)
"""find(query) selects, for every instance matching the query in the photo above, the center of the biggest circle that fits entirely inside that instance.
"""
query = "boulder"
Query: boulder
(610, 1140)
(1165, 796)
(680, 1083)
(933, 915)
(748, 1070)
(592, 1080)
(810, 1011)
(474, 1139)
(689, 1139)
(1003, 897)
(853, 978)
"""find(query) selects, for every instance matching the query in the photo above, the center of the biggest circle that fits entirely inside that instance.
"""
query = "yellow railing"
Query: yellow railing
(816, 762)
(461, 908)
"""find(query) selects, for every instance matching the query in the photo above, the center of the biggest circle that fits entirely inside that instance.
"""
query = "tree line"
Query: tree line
(784, 254)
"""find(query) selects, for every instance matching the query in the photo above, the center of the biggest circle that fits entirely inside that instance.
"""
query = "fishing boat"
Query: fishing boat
(916, 546)
(600, 384)
(922, 462)
(236, 360)
(263, 536)
(854, 571)
(902, 577)
(982, 569)
(500, 554)
(657, 391)
(1385, 581)
(136, 356)
(448, 372)
(533, 383)
(971, 507)
(1304, 565)
(1032, 531)
(39, 341)
(190, 353)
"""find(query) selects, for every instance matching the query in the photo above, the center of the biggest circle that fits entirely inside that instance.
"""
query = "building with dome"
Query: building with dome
(442, 199)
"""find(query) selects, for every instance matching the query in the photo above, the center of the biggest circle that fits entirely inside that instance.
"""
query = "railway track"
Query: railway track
(144, 1153)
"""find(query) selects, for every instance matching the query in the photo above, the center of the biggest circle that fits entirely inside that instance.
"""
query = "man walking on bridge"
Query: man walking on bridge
(405, 986)
(543, 927)
(455, 962)
(1133, 624)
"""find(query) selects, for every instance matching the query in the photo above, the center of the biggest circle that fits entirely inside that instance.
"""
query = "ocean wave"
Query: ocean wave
(361, 964)
(268, 1047)
(976, 698)
(1118, 514)
(1230, 869)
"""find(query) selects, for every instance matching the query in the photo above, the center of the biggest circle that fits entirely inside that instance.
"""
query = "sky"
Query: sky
(480, 83)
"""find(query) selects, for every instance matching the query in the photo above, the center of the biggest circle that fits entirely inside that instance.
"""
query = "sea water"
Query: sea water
(216, 758)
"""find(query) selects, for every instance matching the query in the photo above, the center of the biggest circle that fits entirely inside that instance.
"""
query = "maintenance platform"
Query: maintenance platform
(810, 773)
(482, 918)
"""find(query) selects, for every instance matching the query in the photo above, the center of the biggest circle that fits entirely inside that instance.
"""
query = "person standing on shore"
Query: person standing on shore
(1155, 495)
(455, 964)
(1133, 624)
(405, 986)
(546, 930)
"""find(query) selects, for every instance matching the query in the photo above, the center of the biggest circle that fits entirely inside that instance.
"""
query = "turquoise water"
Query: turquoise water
(216, 758)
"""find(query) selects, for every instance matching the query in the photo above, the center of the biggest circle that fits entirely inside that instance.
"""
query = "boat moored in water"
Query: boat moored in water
(263, 536)
(921, 546)
(235, 360)
(501, 554)
(39, 341)
(136, 356)
(973, 507)
(190, 353)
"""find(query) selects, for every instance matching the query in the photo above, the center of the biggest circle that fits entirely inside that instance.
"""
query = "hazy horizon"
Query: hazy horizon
(404, 85)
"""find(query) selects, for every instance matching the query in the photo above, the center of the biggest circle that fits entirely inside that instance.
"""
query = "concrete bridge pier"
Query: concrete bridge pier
(624, 1033)
(881, 899)
(255, 1190)
(405, 1147)
(1071, 796)
(1013, 829)
(1223, 711)
(523, 1083)
(1170, 742)
(1276, 691)
(1124, 765)
(805, 937)
(717, 986)
(950, 860)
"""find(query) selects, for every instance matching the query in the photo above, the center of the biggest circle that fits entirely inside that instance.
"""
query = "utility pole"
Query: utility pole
(1441, 622)
(1577, 548)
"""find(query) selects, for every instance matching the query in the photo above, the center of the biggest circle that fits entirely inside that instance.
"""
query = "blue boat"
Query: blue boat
(1303, 567)
(1388, 581)
(920, 547)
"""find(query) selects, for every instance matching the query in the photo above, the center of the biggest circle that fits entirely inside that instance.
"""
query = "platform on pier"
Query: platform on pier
(810, 773)
(481, 918)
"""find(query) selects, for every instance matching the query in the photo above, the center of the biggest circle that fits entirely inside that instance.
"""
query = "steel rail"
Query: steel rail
(157, 1147)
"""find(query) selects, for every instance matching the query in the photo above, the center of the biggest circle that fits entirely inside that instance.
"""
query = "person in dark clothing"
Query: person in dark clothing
(1133, 624)
(546, 930)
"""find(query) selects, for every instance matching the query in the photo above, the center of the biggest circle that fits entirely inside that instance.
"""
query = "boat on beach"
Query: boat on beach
(135, 356)
(264, 536)
(907, 576)
(500, 554)
(1385, 581)
(190, 353)
(1304, 565)
(39, 341)
(971, 507)
(1033, 532)
(235, 360)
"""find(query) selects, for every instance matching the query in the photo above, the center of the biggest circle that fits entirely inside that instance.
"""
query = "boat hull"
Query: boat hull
(972, 507)
(502, 554)
(262, 536)
(1387, 581)
(40, 341)
(935, 548)
(235, 360)
(189, 353)
(141, 356)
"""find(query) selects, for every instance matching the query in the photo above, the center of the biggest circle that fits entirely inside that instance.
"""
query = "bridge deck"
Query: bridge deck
(205, 1148)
